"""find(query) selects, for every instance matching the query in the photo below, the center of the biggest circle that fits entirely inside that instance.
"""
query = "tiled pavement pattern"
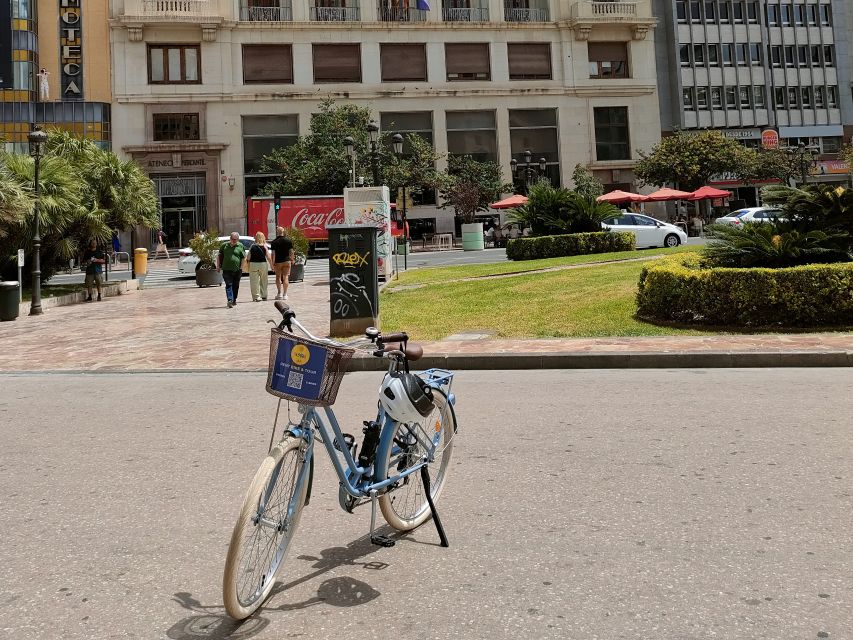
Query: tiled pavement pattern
(191, 328)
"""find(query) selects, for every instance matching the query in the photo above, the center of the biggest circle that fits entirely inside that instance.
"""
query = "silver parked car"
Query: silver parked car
(751, 214)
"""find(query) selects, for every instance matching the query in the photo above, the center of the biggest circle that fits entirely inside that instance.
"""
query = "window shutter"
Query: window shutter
(267, 63)
(403, 62)
(608, 52)
(529, 61)
(337, 63)
(467, 61)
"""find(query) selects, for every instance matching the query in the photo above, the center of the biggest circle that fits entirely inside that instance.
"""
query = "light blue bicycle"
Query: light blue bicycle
(401, 465)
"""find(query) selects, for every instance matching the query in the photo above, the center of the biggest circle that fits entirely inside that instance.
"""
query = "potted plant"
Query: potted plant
(300, 251)
(206, 246)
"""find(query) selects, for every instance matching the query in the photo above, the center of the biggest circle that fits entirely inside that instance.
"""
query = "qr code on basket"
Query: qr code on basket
(294, 380)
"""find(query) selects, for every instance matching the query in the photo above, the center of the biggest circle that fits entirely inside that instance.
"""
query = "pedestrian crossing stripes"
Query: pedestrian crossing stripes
(314, 270)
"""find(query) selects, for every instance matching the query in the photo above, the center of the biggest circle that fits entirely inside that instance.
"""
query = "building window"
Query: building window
(716, 98)
(408, 123)
(688, 98)
(790, 52)
(737, 11)
(529, 61)
(758, 96)
(776, 55)
(752, 11)
(695, 11)
(806, 97)
(267, 64)
(262, 135)
(710, 12)
(779, 98)
(608, 60)
(772, 15)
(785, 15)
(336, 63)
(793, 98)
(819, 98)
(803, 56)
(832, 97)
(176, 126)
(702, 98)
(684, 54)
(755, 54)
(174, 64)
(472, 133)
(714, 55)
(467, 61)
(731, 97)
(831, 144)
(699, 54)
(611, 133)
(811, 10)
(829, 55)
(745, 97)
(536, 130)
(816, 59)
(403, 62)
(725, 16)
(825, 15)
(681, 10)
(728, 54)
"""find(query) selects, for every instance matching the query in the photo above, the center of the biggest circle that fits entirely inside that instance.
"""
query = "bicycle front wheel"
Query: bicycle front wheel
(263, 532)
(404, 506)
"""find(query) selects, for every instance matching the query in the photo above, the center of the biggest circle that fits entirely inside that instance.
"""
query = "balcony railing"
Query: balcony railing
(465, 14)
(335, 14)
(176, 10)
(273, 12)
(401, 14)
(612, 9)
(512, 14)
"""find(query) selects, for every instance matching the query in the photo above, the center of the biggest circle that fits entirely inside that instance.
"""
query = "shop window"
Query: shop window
(472, 133)
(536, 130)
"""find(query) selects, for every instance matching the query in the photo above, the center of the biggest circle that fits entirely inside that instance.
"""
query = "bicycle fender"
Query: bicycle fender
(310, 480)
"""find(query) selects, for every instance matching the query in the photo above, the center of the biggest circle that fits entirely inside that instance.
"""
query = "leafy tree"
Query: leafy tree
(470, 186)
(415, 170)
(586, 184)
(14, 200)
(689, 160)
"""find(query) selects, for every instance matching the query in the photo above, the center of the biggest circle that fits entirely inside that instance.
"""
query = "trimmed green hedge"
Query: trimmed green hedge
(573, 244)
(681, 289)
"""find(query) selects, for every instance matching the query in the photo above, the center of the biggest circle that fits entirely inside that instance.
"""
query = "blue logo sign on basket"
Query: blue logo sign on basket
(299, 369)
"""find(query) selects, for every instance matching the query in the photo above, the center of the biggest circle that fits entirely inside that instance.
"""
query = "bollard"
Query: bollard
(140, 261)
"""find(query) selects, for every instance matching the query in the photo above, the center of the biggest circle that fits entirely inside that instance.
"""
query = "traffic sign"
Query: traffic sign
(20, 257)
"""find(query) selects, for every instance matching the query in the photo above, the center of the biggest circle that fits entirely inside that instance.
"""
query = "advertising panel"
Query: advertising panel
(6, 45)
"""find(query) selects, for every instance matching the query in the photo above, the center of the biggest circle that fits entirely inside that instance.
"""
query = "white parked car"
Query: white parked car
(751, 214)
(648, 231)
(187, 259)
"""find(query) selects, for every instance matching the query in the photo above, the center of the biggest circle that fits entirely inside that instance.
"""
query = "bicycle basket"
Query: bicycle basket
(304, 370)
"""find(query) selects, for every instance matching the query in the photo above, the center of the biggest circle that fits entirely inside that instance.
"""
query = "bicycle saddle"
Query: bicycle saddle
(413, 351)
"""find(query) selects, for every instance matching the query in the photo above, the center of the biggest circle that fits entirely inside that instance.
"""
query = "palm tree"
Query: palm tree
(15, 200)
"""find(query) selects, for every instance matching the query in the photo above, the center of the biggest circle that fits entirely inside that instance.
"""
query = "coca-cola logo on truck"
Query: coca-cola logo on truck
(304, 219)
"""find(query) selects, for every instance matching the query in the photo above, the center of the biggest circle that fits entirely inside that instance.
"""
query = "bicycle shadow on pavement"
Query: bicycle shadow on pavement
(342, 591)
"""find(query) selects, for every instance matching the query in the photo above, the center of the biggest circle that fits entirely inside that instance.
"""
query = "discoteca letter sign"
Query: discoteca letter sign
(71, 49)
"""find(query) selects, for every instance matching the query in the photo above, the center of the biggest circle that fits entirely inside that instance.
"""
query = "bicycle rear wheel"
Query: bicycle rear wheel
(264, 529)
(404, 506)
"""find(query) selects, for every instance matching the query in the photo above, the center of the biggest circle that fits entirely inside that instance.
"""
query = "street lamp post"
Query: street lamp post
(36, 138)
(349, 145)
(397, 143)
(528, 171)
(804, 158)
(373, 135)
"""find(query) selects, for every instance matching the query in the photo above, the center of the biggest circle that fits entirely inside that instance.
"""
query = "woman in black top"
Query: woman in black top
(259, 262)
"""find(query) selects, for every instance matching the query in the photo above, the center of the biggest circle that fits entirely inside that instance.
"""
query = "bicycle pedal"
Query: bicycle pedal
(349, 441)
(382, 541)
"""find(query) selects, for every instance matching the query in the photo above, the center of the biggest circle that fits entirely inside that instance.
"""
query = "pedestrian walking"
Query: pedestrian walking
(94, 260)
(259, 265)
(230, 263)
(499, 239)
(282, 255)
(161, 245)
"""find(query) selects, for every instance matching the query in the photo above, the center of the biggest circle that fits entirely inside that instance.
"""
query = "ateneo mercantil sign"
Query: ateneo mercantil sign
(71, 49)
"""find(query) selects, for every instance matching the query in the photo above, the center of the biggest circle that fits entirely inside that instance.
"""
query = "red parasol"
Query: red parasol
(668, 194)
(513, 201)
(709, 193)
(615, 197)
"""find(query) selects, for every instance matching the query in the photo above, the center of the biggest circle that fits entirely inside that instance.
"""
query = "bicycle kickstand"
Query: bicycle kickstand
(375, 538)
(435, 518)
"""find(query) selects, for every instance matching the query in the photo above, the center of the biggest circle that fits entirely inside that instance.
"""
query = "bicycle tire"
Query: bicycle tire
(405, 506)
(246, 585)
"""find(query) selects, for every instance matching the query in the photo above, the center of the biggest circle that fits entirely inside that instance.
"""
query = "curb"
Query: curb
(530, 361)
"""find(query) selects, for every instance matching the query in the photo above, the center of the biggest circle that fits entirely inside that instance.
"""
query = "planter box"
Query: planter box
(208, 277)
(297, 273)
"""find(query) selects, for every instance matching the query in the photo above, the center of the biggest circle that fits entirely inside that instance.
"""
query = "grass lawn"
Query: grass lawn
(588, 302)
(54, 290)
(443, 274)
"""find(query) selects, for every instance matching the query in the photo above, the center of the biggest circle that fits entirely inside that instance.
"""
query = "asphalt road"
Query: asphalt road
(581, 504)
